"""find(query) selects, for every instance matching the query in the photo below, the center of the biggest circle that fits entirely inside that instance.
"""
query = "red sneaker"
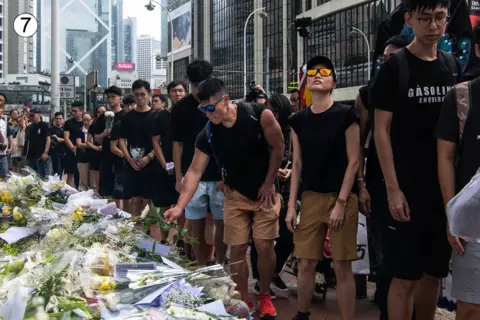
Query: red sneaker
(266, 309)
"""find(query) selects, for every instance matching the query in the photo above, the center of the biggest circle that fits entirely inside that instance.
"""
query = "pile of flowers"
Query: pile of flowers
(68, 254)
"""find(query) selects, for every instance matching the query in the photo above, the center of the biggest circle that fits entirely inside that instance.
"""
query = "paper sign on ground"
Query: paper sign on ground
(121, 269)
(14, 234)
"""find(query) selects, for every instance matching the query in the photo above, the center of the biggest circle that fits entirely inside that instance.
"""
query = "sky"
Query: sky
(148, 22)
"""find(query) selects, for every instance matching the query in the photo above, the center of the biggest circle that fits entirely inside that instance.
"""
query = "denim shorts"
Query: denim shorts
(206, 195)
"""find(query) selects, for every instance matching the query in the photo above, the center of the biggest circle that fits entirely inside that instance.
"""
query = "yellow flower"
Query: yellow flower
(78, 214)
(6, 211)
(6, 197)
(17, 215)
(106, 284)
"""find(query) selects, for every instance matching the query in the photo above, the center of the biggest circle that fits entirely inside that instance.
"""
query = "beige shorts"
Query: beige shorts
(309, 237)
(242, 214)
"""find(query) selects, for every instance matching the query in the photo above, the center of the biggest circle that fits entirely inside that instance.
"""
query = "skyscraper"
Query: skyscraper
(164, 30)
(20, 50)
(79, 41)
(117, 32)
(130, 36)
(88, 15)
(148, 48)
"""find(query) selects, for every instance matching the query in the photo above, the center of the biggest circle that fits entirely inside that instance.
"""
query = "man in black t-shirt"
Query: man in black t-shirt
(417, 252)
(186, 123)
(377, 205)
(57, 147)
(101, 131)
(39, 144)
(326, 155)
(71, 131)
(136, 146)
(246, 141)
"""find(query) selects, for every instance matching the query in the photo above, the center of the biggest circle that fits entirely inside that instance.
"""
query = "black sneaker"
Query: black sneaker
(257, 291)
(278, 284)
(302, 316)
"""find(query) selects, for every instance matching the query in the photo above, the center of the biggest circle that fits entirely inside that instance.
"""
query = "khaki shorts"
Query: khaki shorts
(242, 214)
(309, 237)
(467, 311)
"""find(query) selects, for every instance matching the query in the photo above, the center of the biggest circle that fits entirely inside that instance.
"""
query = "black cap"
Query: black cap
(33, 112)
(315, 61)
(128, 99)
(114, 90)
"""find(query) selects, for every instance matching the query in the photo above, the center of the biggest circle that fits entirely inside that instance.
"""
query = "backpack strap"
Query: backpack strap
(463, 101)
(214, 154)
(448, 60)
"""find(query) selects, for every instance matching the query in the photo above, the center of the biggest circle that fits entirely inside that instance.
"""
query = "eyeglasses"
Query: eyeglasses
(210, 107)
(324, 72)
(140, 94)
(426, 21)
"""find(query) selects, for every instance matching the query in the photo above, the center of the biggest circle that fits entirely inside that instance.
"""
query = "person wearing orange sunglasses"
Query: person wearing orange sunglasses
(326, 155)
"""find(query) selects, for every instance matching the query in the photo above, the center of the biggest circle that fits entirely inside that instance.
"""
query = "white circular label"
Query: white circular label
(25, 25)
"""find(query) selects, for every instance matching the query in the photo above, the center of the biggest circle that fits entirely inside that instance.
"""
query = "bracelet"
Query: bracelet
(342, 202)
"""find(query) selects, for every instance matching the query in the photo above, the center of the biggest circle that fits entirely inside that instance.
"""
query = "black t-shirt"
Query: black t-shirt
(186, 123)
(83, 155)
(161, 127)
(100, 126)
(241, 150)
(38, 133)
(136, 129)
(115, 136)
(415, 115)
(57, 148)
(324, 147)
(75, 128)
(448, 130)
(374, 173)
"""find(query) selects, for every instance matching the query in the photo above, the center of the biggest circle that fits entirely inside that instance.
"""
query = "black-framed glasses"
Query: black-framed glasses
(426, 21)
(210, 107)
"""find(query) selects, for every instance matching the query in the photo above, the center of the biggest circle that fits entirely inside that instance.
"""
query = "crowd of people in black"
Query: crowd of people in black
(264, 172)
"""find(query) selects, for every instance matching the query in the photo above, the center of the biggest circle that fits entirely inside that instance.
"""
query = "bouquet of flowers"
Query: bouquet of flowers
(109, 118)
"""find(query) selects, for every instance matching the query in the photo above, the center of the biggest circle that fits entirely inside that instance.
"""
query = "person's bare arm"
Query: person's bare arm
(90, 143)
(273, 135)
(177, 160)
(296, 171)
(80, 144)
(383, 123)
(59, 140)
(10, 142)
(47, 144)
(157, 148)
(192, 178)
(364, 196)
(115, 149)
(68, 142)
(352, 136)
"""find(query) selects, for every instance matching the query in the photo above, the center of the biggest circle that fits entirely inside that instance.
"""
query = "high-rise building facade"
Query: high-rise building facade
(130, 36)
(117, 33)
(3, 35)
(92, 16)
(20, 50)
(183, 30)
(148, 47)
(164, 35)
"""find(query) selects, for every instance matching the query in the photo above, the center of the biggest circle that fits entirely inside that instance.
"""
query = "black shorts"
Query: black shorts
(139, 183)
(419, 247)
(107, 176)
(95, 160)
(164, 193)
(70, 163)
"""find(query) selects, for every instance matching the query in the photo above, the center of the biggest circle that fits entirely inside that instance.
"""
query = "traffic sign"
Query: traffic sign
(25, 25)
(67, 87)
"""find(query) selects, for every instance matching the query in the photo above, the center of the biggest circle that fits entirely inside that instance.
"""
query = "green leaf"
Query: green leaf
(192, 241)
(183, 232)
(165, 227)
(175, 239)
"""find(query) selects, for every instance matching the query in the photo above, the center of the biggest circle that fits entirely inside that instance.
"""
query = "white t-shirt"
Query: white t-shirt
(3, 130)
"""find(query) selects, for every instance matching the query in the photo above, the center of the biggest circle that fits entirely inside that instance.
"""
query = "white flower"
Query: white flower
(109, 114)
(112, 229)
(145, 212)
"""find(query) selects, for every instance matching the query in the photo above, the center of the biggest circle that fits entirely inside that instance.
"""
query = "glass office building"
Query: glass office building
(89, 23)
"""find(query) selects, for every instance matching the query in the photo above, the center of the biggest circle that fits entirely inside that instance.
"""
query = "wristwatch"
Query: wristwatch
(342, 202)
(151, 155)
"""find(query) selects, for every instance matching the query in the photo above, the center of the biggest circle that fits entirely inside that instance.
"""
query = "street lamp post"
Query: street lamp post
(55, 29)
(245, 50)
(368, 48)
(151, 7)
